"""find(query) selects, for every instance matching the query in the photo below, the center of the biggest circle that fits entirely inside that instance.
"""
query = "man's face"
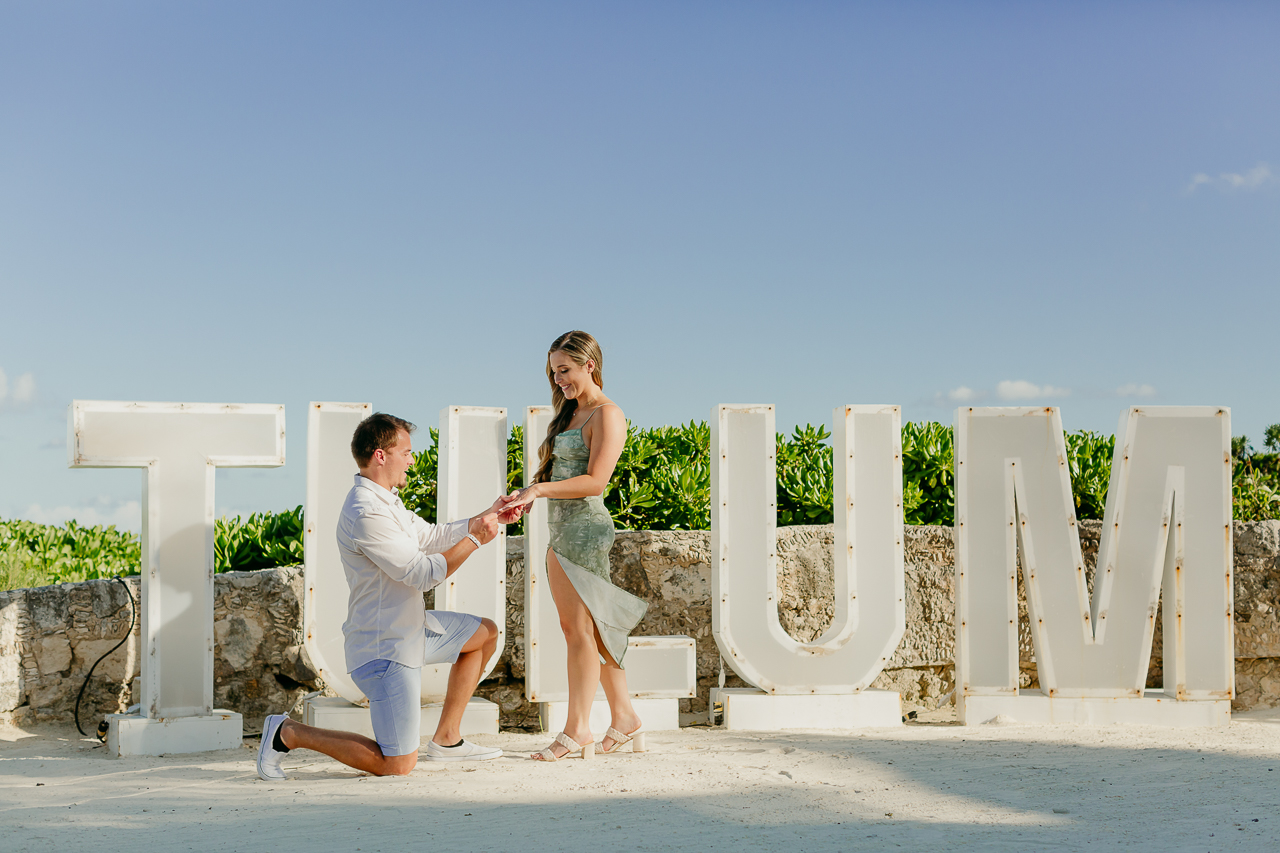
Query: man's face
(398, 459)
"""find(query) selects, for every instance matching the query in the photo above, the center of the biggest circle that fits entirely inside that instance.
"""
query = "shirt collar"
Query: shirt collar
(387, 496)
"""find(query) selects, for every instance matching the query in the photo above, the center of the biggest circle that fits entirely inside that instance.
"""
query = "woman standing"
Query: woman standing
(583, 444)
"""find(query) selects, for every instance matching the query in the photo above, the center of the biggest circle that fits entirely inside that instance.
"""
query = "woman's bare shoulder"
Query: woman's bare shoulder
(610, 415)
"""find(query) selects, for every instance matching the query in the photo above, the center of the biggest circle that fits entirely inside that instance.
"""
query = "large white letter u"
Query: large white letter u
(869, 617)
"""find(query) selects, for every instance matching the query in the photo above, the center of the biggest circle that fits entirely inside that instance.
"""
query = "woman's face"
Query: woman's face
(573, 378)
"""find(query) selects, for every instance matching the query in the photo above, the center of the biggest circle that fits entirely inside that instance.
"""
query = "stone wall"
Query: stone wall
(49, 637)
(1257, 614)
(52, 635)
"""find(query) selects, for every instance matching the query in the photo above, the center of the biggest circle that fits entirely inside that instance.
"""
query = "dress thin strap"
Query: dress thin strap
(593, 414)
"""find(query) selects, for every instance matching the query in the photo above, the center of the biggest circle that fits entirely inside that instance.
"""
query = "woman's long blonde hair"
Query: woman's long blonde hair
(580, 347)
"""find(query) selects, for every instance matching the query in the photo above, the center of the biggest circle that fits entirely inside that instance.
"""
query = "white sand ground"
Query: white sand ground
(921, 787)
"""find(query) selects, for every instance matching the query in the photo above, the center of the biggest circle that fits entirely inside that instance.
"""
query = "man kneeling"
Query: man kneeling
(391, 556)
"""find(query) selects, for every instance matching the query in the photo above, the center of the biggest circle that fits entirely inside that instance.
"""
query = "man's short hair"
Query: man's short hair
(379, 431)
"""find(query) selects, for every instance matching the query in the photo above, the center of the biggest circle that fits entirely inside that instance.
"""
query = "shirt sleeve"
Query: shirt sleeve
(434, 538)
(398, 555)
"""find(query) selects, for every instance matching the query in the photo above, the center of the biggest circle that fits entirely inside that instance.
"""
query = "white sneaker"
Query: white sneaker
(269, 769)
(465, 751)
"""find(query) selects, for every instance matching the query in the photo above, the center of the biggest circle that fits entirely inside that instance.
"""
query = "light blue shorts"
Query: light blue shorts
(395, 690)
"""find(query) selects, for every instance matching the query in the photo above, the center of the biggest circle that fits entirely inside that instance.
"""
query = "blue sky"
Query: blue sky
(808, 204)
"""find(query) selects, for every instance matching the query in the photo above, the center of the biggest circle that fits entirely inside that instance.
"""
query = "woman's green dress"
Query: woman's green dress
(581, 536)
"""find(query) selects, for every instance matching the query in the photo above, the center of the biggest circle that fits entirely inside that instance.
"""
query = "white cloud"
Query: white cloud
(24, 389)
(1132, 390)
(1008, 390)
(125, 515)
(1020, 389)
(1255, 179)
(1259, 176)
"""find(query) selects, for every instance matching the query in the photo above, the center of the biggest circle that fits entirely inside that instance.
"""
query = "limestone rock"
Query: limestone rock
(237, 640)
(12, 687)
(53, 654)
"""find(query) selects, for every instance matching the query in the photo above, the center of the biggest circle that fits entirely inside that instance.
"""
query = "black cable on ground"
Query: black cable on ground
(133, 618)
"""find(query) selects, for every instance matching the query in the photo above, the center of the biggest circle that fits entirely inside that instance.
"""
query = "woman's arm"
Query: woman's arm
(608, 436)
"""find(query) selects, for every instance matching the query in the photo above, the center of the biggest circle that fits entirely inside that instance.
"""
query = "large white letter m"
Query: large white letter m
(1167, 526)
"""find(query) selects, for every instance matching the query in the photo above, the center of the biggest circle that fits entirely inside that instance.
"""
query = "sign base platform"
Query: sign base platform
(133, 734)
(323, 712)
(659, 715)
(1034, 708)
(750, 709)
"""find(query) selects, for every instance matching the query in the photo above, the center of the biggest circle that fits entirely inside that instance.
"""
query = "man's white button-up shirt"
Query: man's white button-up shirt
(391, 556)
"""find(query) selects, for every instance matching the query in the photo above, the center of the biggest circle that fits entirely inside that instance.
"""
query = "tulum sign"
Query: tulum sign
(1166, 547)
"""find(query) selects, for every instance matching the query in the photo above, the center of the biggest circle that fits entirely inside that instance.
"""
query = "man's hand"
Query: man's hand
(484, 527)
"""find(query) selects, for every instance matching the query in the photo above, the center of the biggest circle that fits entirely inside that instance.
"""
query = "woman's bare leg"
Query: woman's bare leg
(613, 679)
(584, 661)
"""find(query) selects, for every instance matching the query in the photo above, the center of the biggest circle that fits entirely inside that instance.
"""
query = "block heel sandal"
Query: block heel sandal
(586, 750)
(620, 739)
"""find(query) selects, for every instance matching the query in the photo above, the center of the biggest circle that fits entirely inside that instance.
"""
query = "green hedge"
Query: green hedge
(663, 478)
(662, 482)
(261, 541)
(1255, 479)
(40, 554)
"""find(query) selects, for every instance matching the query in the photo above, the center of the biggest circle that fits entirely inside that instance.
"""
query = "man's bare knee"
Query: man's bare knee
(398, 765)
(491, 641)
(484, 636)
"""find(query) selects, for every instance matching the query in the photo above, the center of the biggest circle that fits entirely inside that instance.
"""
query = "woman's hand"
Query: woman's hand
(506, 511)
(524, 497)
(511, 515)
(502, 503)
